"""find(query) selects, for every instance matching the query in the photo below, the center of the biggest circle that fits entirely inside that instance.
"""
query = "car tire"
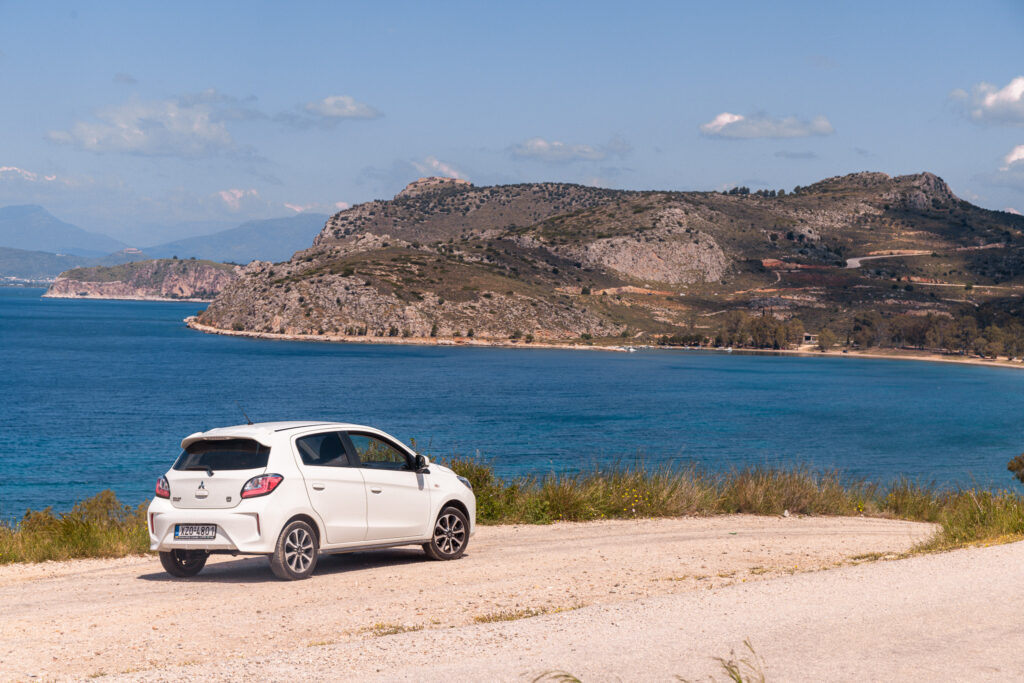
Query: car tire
(296, 552)
(450, 535)
(183, 563)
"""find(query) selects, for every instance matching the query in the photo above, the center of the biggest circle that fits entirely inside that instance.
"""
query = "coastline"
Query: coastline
(94, 297)
(806, 351)
(191, 322)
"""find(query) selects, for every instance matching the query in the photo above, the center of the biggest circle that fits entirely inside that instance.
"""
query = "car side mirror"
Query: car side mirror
(422, 463)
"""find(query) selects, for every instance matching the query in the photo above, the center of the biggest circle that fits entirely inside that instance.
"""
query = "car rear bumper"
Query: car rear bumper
(244, 529)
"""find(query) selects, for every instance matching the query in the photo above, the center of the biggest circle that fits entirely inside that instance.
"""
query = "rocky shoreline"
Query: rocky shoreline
(154, 280)
(112, 297)
(806, 351)
(193, 322)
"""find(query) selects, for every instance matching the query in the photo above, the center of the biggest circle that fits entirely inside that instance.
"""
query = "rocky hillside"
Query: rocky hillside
(155, 279)
(557, 261)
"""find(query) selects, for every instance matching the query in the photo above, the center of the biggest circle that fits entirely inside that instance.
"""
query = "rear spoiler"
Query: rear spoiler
(262, 439)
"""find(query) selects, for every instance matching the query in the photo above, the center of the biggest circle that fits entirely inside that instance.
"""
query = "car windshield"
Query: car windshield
(223, 454)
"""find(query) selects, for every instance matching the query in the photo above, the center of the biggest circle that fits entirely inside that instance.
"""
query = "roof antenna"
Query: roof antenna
(247, 420)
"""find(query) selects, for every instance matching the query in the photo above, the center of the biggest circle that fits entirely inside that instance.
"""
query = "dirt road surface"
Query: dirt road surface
(616, 600)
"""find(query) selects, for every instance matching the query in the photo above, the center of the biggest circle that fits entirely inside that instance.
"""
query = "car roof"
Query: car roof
(263, 432)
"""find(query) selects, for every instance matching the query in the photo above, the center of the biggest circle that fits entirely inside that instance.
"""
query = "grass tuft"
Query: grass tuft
(508, 615)
(388, 629)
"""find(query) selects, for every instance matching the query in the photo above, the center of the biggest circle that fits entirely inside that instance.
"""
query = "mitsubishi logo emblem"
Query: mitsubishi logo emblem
(202, 485)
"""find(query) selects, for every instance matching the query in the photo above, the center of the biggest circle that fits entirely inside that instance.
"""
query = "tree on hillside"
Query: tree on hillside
(795, 331)
(826, 339)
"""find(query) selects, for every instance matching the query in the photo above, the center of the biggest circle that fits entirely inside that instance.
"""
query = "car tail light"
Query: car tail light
(163, 489)
(261, 485)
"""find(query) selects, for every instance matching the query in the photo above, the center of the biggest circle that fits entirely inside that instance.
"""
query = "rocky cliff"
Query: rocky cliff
(155, 279)
(556, 261)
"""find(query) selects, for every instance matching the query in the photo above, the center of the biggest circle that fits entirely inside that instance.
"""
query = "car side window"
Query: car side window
(322, 450)
(377, 454)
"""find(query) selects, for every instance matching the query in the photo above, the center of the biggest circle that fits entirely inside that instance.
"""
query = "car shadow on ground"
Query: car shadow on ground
(256, 569)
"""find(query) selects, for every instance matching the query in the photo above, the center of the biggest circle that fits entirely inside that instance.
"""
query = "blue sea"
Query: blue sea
(98, 394)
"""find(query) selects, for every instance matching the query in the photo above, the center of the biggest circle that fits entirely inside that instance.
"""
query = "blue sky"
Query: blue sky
(136, 119)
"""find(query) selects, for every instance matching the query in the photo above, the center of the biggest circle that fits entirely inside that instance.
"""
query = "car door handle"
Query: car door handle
(318, 487)
(376, 490)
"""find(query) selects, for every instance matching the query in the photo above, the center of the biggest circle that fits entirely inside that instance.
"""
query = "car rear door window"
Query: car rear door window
(375, 453)
(223, 454)
(322, 450)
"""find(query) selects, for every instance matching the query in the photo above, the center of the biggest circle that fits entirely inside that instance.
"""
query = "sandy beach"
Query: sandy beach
(125, 618)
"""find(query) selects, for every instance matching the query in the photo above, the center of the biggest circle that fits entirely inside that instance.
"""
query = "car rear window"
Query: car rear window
(223, 454)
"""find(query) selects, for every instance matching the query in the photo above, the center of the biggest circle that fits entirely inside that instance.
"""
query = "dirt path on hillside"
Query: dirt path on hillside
(91, 617)
(858, 260)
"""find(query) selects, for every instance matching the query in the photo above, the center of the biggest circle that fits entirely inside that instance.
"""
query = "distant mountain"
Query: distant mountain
(42, 266)
(33, 228)
(20, 264)
(274, 239)
(150, 233)
(126, 255)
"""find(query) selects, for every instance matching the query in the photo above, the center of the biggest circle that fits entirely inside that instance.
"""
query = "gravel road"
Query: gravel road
(619, 599)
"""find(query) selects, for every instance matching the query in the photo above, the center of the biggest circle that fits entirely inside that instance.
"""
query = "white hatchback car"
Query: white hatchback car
(289, 490)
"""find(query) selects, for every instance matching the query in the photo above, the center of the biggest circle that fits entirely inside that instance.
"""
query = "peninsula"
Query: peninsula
(159, 279)
(866, 258)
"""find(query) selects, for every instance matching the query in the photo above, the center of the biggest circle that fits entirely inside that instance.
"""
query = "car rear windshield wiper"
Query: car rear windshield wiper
(202, 468)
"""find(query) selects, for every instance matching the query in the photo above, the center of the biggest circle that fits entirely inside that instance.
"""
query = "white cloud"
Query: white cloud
(1011, 173)
(1012, 210)
(195, 125)
(988, 103)
(159, 128)
(342, 107)
(555, 151)
(720, 122)
(22, 174)
(317, 207)
(234, 197)
(729, 125)
(434, 166)
(1016, 156)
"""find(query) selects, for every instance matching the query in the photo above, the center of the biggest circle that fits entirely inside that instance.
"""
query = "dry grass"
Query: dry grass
(98, 527)
(517, 614)
(104, 527)
(388, 629)
(966, 516)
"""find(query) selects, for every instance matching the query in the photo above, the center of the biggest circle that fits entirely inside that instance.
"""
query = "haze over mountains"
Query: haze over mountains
(273, 239)
(33, 228)
(36, 245)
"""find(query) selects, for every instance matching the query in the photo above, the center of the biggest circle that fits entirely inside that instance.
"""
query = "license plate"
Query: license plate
(202, 532)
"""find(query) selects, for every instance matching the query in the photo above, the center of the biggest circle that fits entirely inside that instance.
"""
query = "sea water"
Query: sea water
(98, 394)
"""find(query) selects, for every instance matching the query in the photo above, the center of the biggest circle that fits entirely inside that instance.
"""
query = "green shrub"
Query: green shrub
(98, 527)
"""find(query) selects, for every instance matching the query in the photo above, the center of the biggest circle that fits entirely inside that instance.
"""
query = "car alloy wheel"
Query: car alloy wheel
(450, 536)
(299, 550)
